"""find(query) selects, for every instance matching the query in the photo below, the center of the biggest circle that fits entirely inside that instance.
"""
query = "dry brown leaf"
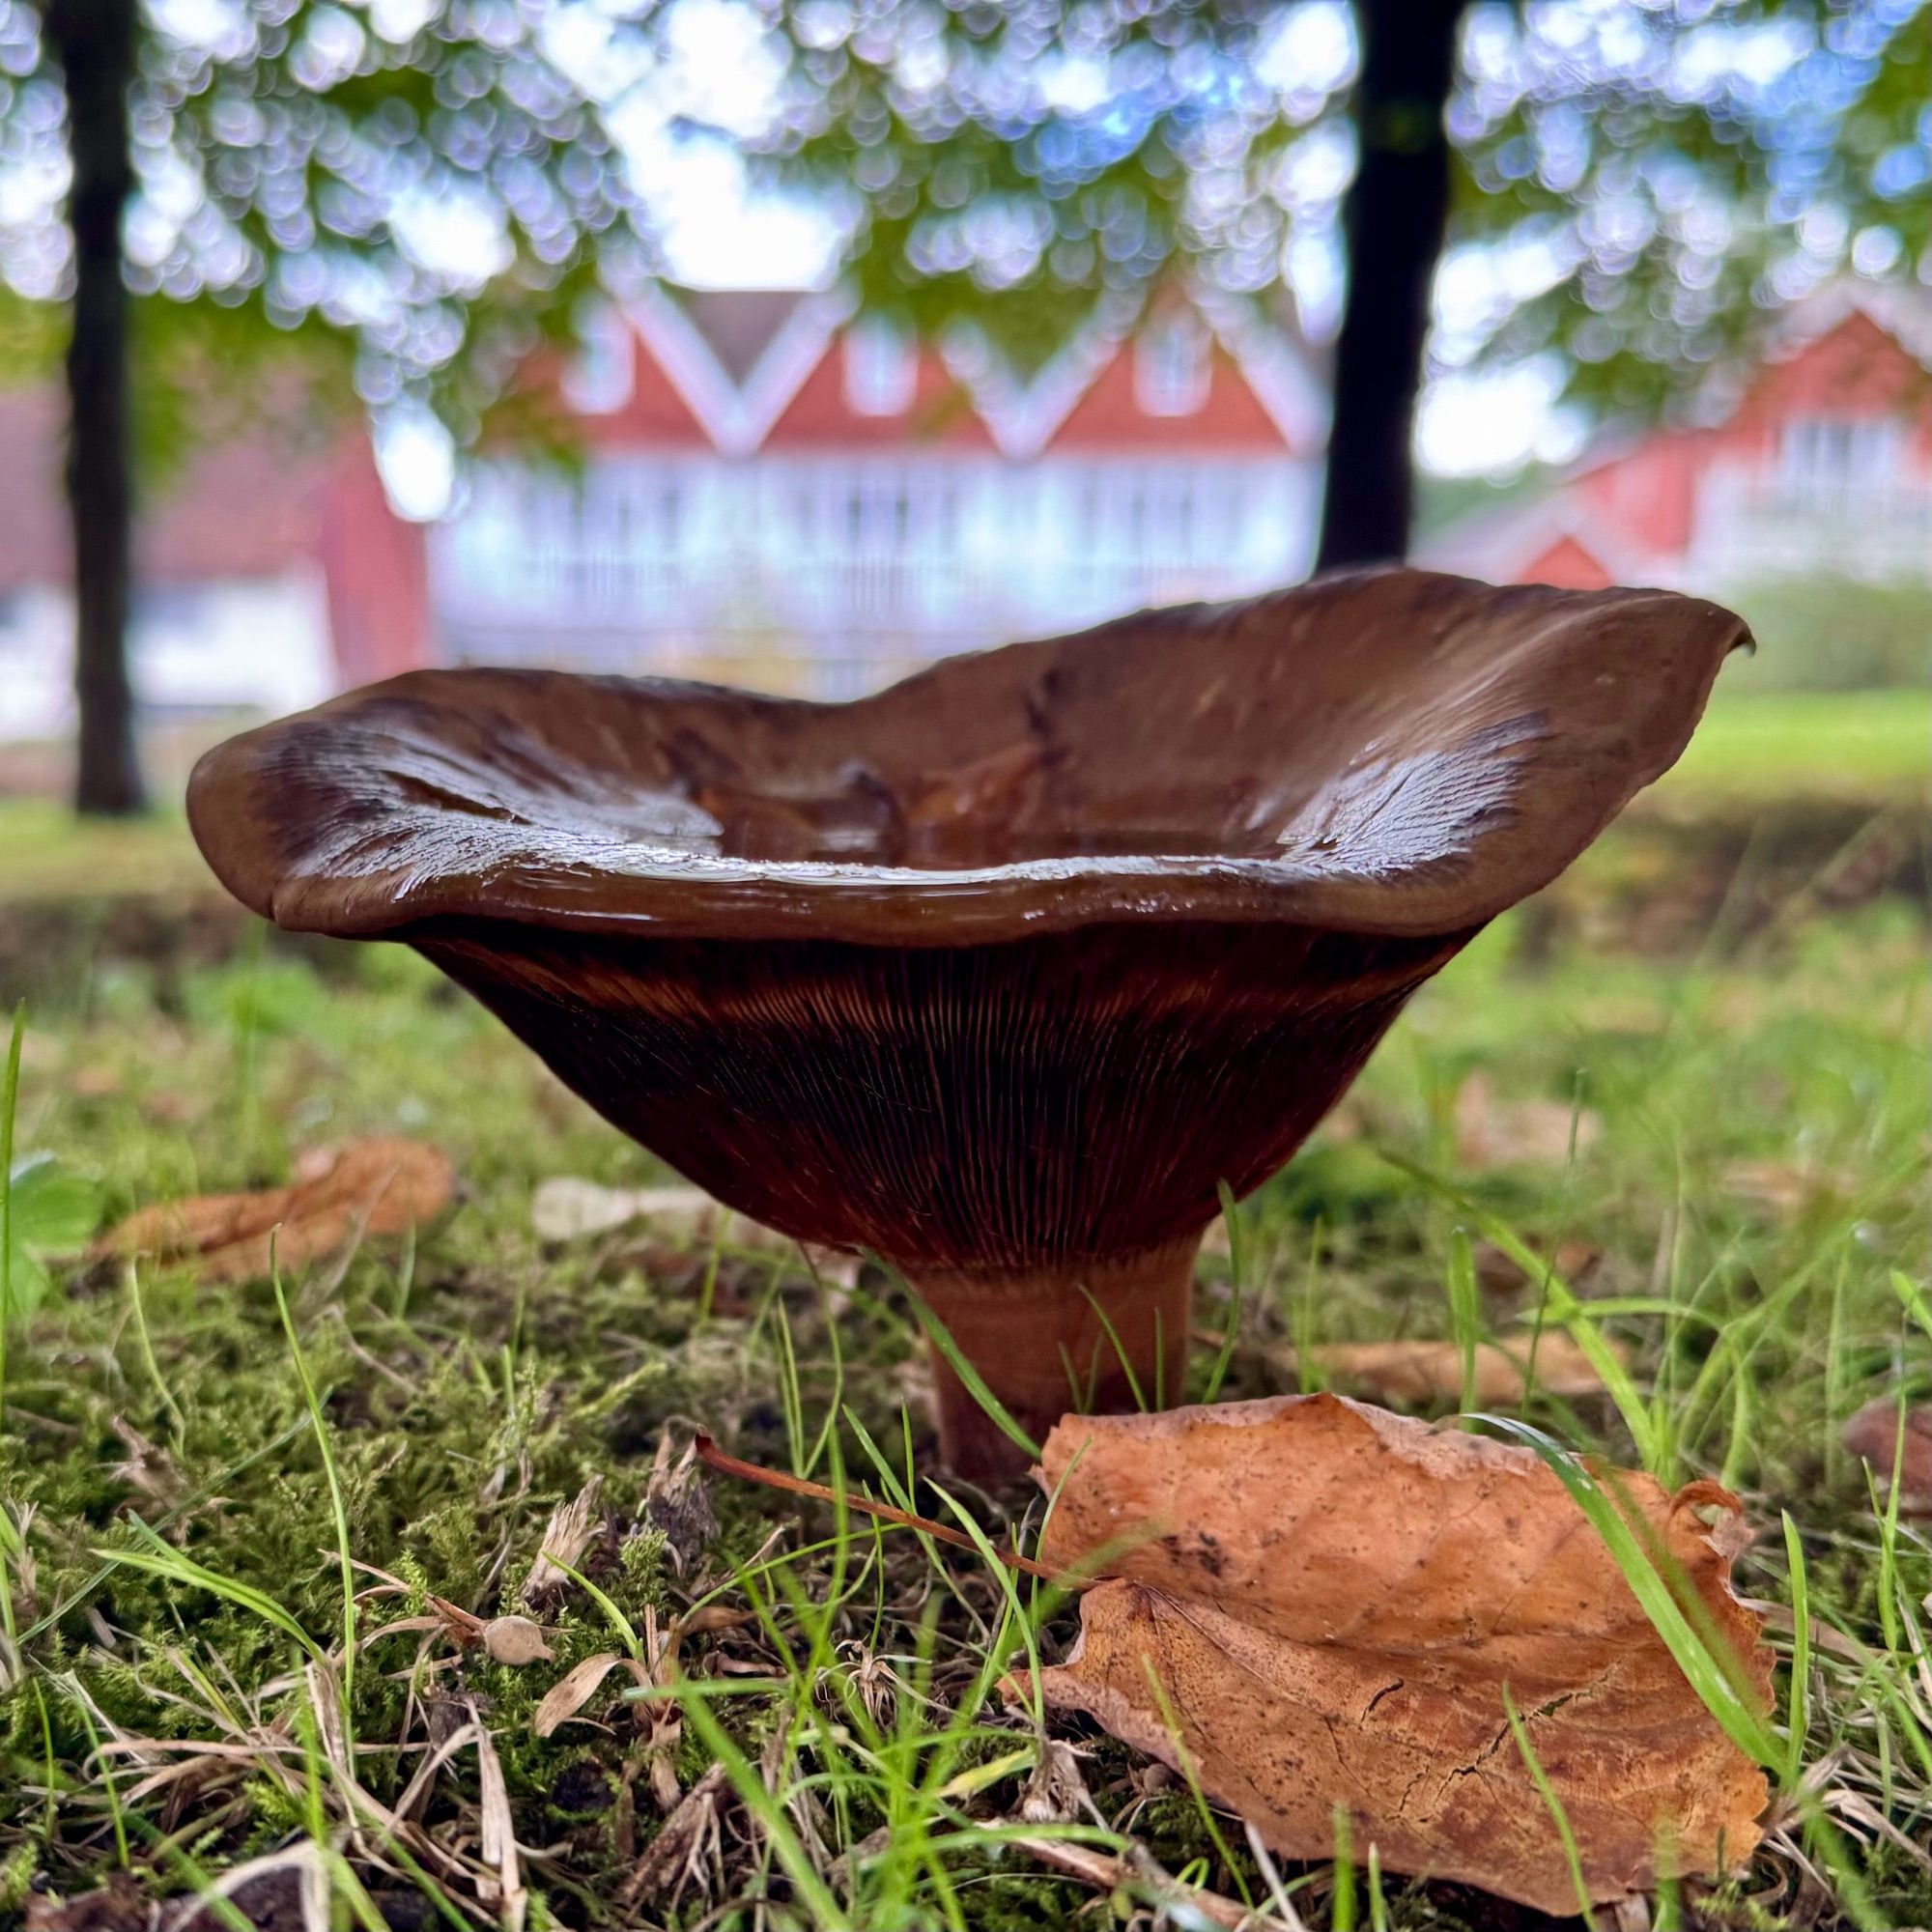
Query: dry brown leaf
(1518, 1133)
(677, 1504)
(1332, 1599)
(1415, 1372)
(381, 1186)
(688, 1838)
(146, 1466)
(1055, 1794)
(566, 1537)
(1872, 1434)
(496, 1831)
(578, 1685)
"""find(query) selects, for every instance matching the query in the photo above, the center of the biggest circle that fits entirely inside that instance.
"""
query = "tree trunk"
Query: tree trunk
(1393, 221)
(94, 42)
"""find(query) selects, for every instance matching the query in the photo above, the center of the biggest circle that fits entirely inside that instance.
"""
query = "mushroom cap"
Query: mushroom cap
(1007, 968)
(1385, 752)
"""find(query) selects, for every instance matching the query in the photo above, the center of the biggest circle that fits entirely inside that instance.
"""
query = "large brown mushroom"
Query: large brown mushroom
(998, 973)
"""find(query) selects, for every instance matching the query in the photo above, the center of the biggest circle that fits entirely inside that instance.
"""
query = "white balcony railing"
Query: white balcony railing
(847, 561)
(1774, 522)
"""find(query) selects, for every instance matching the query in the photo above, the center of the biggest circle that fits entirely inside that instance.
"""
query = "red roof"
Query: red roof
(1230, 418)
(820, 415)
(747, 369)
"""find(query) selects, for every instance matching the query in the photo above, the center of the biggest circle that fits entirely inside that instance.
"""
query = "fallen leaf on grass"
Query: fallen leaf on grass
(1872, 1434)
(1416, 1372)
(575, 1688)
(1518, 1133)
(1332, 1599)
(381, 1186)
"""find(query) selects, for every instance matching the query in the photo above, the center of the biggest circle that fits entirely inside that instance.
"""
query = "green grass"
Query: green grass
(45, 850)
(183, 1478)
(1840, 744)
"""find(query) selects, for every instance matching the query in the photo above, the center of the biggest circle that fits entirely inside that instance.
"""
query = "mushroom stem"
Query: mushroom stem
(1100, 1336)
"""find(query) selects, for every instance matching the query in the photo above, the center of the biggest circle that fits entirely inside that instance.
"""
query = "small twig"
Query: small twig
(714, 1457)
(1139, 1868)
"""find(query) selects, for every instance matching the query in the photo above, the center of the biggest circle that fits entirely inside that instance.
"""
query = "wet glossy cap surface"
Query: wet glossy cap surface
(1390, 753)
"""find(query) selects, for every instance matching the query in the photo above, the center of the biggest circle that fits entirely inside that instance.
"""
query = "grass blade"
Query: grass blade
(1238, 1275)
(1564, 1306)
(1709, 1667)
(1465, 1314)
(9, 1098)
(1554, 1803)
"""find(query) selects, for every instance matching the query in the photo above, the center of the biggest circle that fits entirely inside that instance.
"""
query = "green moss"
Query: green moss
(472, 1384)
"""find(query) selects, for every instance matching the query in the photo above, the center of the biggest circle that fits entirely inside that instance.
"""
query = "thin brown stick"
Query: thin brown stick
(714, 1457)
(1102, 1869)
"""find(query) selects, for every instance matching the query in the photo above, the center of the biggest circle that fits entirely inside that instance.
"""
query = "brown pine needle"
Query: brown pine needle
(713, 1456)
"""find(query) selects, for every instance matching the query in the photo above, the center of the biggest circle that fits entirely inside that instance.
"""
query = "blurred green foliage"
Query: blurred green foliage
(1825, 633)
(1642, 187)
(52, 1212)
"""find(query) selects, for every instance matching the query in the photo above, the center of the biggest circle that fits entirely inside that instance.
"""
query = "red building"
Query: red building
(770, 488)
(237, 599)
(776, 490)
(1821, 465)
(779, 492)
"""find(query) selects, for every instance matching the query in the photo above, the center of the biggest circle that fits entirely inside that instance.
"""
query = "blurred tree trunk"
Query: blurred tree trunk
(1394, 219)
(93, 41)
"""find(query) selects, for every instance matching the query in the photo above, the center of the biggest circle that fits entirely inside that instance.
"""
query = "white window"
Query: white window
(1840, 450)
(597, 380)
(881, 366)
(1172, 364)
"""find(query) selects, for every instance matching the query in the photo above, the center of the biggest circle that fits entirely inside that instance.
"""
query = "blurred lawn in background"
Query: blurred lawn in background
(1838, 744)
